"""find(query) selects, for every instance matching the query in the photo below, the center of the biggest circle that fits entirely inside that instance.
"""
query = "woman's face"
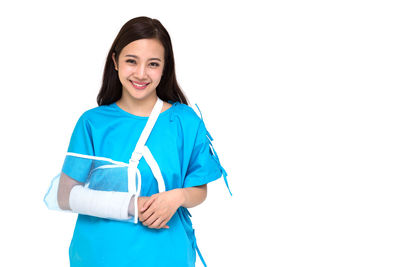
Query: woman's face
(140, 67)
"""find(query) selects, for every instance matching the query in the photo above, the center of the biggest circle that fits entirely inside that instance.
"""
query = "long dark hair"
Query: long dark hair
(135, 29)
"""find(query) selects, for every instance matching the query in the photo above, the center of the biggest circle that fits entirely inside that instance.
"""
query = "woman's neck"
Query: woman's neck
(142, 107)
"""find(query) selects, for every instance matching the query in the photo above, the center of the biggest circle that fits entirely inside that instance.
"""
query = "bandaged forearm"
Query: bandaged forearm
(103, 204)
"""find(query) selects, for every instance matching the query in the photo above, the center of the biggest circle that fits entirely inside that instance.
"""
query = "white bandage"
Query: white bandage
(103, 204)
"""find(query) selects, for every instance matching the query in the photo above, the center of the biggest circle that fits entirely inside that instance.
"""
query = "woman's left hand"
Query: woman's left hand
(159, 208)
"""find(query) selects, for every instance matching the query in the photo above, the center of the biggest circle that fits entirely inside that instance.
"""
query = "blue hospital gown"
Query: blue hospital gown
(180, 145)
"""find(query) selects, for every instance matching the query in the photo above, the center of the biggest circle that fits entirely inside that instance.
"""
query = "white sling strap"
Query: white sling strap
(133, 171)
(96, 158)
(148, 128)
(155, 169)
(138, 151)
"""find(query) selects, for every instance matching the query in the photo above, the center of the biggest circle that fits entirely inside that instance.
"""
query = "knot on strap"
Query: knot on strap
(136, 156)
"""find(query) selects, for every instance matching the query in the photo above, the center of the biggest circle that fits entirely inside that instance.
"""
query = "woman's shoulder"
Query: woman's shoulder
(186, 113)
(97, 112)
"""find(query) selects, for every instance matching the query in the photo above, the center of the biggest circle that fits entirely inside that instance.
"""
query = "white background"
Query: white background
(301, 97)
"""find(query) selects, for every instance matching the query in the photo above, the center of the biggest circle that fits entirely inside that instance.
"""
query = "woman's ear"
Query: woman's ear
(115, 62)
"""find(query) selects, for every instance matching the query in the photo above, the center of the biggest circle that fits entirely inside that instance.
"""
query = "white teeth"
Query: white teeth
(139, 85)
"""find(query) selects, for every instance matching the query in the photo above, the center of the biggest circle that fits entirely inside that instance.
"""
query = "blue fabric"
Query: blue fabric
(180, 145)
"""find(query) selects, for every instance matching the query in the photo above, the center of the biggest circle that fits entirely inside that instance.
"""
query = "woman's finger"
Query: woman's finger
(149, 221)
(163, 224)
(152, 222)
(147, 204)
(157, 223)
(145, 216)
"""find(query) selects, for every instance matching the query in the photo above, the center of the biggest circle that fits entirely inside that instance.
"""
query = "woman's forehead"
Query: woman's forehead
(144, 48)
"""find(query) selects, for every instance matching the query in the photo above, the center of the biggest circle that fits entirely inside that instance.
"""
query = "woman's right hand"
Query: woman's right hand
(141, 201)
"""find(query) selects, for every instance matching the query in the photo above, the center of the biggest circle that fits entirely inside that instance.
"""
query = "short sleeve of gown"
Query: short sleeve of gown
(204, 166)
(81, 142)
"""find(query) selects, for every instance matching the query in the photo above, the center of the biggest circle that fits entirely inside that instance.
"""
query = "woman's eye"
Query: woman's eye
(131, 61)
(154, 64)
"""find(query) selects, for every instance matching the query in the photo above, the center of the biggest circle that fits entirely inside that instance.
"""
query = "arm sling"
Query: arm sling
(111, 180)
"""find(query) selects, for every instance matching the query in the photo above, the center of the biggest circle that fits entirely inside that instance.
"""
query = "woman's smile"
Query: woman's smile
(139, 85)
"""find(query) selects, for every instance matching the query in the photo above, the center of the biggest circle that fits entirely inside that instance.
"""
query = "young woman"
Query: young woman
(143, 126)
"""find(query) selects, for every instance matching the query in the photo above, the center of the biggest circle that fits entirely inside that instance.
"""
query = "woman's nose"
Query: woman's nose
(140, 71)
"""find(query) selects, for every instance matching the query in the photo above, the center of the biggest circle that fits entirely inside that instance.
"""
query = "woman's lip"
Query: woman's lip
(139, 85)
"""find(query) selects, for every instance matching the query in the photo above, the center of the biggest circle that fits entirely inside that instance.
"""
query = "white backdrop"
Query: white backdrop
(301, 97)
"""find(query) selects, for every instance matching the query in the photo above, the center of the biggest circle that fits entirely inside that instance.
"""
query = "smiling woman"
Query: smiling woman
(140, 68)
(142, 156)
(140, 29)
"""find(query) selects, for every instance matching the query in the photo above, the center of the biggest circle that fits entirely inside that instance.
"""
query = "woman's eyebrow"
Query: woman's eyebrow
(134, 56)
